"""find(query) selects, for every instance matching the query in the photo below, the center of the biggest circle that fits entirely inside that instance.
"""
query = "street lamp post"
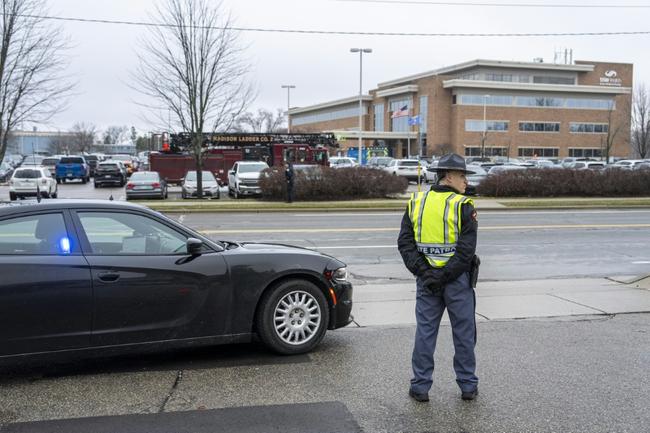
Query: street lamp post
(484, 125)
(288, 87)
(360, 51)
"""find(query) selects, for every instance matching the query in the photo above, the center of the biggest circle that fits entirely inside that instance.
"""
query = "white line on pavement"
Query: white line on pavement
(642, 262)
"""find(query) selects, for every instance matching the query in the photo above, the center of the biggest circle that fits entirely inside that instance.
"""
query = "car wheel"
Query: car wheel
(12, 196)
(55, 194)
(235, 194)
(292, 317)
(183, 196)
(166, 193)
(58, 180)
(95, 184)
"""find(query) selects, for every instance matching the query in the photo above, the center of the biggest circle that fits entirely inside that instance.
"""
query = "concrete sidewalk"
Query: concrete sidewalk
(385, 302)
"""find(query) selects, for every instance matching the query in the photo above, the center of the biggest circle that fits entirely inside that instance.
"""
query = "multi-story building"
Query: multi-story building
(520, 109)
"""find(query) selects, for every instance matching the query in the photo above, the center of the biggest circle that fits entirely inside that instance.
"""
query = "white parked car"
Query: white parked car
(27, 181)
(588, 165)
(342, 161)
(244, 178)
(627, 164)
(209, 185)
(407, 168)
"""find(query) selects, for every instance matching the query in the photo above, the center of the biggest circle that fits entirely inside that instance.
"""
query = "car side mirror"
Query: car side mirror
(231, 172)
(194, 246)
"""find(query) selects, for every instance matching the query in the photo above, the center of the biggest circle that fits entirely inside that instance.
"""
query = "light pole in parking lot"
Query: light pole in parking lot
(360, 51)
(485, 97)
(288, 87)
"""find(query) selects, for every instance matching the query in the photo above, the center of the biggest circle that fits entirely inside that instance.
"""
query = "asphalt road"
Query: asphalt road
(512, 244)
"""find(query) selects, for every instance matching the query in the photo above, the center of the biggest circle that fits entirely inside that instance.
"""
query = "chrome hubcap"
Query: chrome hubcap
(297, 317)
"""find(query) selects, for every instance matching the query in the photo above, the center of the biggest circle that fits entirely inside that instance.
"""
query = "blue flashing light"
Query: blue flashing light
(64, 243)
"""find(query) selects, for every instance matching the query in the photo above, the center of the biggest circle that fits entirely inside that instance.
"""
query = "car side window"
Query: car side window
(43, 234)
(119, 233)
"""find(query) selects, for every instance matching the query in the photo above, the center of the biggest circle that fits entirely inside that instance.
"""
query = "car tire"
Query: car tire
(273, 318)
(55, 194)
(83, 180)
(95, 184)
(12, 196)
(235, 194)
(58, 180)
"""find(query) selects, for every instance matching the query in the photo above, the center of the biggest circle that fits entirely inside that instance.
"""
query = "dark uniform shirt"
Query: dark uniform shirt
(465, 247)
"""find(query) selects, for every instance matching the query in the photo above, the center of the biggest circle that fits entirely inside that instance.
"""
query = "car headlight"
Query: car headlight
(339, 275)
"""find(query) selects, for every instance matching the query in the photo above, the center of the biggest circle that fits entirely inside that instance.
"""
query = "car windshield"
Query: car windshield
(50, 161)
(145, 175)
(207, 176)
(33, 160)
(408, 163)
(28, 174)
(478, 171)
(121, 157)
(252, 168)
(72, 160)
(109, 165)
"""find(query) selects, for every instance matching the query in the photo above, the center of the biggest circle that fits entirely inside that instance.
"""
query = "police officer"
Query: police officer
(437, 242)
(289, 175)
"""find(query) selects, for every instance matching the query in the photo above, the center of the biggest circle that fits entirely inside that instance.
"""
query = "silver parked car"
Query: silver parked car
(146, 184)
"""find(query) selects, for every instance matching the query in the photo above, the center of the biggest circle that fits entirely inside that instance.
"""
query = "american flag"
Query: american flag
(404, 111)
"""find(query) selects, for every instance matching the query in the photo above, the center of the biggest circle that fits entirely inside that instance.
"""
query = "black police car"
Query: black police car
(80, 275)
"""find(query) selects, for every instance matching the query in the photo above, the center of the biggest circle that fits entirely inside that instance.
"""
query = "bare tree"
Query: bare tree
(641, 122)
(32, 82)
(617, 124)
(83, 137)
(263, 121)
(193, 66)
(116, 134)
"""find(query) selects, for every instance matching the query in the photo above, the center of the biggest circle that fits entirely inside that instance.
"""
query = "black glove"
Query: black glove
(432, 280)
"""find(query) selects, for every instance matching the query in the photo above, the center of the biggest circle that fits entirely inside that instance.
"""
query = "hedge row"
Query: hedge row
(560, 182)
(324, 183)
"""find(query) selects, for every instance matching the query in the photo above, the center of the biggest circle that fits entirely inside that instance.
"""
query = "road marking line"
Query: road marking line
(641, 263)
(395, 229)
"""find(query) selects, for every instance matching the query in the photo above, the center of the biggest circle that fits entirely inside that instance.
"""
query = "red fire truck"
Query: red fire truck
(221, 151)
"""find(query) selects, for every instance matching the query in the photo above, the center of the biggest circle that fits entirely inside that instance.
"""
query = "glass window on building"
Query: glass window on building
(400, 124)
(545, 79)
(591, 103)
(327, 115)
(492, 125)
(378, 111)
(539, 101)
(585, 153)
(539, 126)
(588, 128)
(491, 76)
(538, 152)
(424, 111)
(473, 99)
(489, 151)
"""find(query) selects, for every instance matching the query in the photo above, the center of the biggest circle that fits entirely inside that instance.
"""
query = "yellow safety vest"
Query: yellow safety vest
(436, 220)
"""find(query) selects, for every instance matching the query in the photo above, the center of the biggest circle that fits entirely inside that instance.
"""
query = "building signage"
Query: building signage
(610, 78)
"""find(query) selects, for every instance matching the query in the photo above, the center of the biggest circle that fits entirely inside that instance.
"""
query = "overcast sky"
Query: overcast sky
(320, 66)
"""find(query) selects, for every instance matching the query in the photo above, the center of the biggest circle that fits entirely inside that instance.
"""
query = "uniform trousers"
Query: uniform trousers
(459, 300)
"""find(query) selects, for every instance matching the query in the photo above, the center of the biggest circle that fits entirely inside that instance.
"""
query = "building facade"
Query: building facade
(488, 107)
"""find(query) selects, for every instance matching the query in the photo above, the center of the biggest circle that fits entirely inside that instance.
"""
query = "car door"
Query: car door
(146, 287)
(45, 288)
(231, 176)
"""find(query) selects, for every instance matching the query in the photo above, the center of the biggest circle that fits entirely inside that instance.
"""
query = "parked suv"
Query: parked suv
(110, 172)
(27, 181)
(92, 161)
(72, 167)
(244, 178)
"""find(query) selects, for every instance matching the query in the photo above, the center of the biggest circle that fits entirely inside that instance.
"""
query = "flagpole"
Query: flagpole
(408, 133)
